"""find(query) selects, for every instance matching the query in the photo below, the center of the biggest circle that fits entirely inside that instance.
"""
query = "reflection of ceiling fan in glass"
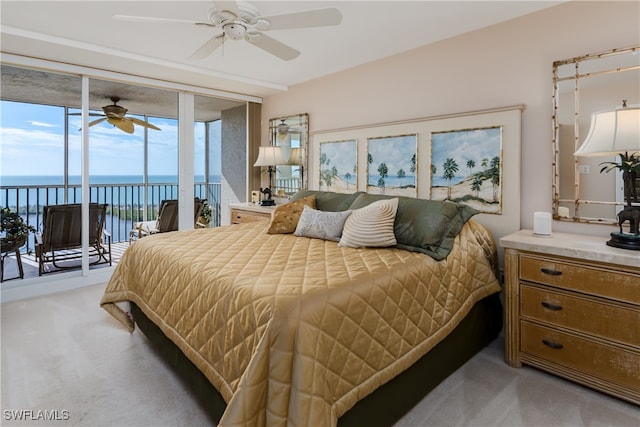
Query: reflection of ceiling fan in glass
(241, 21)
(116, 115)
(282, 127)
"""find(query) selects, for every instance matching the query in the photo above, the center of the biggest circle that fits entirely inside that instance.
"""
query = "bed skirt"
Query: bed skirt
(385, 405)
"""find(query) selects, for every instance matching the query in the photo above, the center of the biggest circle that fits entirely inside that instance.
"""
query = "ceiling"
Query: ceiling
(44, 87)
(85, 33)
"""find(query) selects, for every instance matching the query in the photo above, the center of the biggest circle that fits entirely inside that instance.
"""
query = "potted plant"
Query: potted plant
(205, 216)
(629, 164)
(15, 230)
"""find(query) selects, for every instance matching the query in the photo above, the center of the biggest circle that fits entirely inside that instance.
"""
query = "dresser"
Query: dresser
(249, 212)
(572, 308)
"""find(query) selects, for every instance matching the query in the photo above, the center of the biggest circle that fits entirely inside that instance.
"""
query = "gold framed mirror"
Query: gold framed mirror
(291, 133)
(582, 86)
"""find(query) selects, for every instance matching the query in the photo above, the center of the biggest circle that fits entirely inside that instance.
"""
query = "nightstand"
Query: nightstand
(249, 212)
(573, 309)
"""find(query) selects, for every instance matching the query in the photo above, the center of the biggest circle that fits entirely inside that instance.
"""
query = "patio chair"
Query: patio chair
(7, 248)
(167, 219)
(61, 236)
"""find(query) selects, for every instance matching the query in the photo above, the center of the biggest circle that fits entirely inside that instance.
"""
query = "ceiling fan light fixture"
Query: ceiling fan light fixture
(234, 31)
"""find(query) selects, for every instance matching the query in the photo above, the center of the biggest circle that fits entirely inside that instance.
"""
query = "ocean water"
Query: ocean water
(394, 181)
(42, 180)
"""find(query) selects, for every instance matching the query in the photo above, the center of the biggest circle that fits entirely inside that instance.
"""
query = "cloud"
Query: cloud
(473, 144)
(395, 151)
(342, 155)
(42, 124)
(29, 139)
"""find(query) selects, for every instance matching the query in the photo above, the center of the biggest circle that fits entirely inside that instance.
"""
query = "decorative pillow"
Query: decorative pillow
(284, 218)
(427, 226)
(320, 224)
(371, 226)
(328, 200)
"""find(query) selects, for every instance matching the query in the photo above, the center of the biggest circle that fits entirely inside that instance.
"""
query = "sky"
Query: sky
(395, 152)
(32, 143)
(342, 154)
(462, 146)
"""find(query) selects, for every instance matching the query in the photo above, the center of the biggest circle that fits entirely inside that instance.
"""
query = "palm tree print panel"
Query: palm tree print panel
(391, 165)
(466, 167)
(338, 166)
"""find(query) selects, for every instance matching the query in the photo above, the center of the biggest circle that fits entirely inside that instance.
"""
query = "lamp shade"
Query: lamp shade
(270, 156)
(612, 132)
(295, 158)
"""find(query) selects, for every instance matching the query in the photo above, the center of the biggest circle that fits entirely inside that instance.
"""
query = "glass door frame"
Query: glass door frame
(85, 277)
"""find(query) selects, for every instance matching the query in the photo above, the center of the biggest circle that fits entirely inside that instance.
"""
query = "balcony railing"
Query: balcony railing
(126, 203)
(287, 185)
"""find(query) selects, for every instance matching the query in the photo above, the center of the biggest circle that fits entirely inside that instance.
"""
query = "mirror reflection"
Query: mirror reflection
(583, 86)
(291, 133)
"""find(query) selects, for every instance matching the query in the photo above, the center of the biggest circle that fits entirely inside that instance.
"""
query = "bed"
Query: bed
(281, 329)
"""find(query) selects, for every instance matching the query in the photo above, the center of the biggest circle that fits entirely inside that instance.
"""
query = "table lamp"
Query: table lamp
(617, 132)
(269, 156)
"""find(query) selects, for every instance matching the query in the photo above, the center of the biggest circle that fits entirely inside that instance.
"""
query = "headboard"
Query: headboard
(472, 158)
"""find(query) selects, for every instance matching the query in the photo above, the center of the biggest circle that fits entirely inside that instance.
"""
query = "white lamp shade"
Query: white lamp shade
(270, 156)
(295, 158)
(612, 132)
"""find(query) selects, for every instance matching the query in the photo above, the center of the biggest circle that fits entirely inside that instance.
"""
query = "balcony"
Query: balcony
(126, 207)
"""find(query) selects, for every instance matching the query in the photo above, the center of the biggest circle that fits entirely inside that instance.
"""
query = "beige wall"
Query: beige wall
(503, 65)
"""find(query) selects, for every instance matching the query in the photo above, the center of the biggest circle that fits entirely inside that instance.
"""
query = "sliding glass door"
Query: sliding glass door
(140, 144)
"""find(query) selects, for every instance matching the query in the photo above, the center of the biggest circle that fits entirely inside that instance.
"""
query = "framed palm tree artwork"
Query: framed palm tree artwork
(391, 165)
(466, 167)
(338, 166)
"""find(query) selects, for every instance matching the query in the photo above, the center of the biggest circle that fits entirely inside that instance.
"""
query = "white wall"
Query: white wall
(503, 65)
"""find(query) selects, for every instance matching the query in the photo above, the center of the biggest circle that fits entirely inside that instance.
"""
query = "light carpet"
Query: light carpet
(65, 355)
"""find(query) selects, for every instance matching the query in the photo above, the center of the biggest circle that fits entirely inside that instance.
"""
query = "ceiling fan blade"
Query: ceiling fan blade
(124, 125)
(310, 18)
(95, 122)
(207, 49)
(143, 123)
(156, 20)
(230, 6)
(273, 46)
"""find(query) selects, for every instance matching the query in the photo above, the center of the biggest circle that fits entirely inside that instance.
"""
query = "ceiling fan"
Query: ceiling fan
(283, 127)
(116, 115)
(241, 21)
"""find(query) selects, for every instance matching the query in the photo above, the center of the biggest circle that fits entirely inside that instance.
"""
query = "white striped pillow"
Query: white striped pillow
(371, 226)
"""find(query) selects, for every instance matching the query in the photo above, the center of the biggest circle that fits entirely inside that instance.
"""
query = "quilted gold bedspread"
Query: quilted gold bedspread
(291, 330)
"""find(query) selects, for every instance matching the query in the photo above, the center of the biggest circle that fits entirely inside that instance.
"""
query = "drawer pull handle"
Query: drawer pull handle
(554, 345)
(551, 272)
(551, 306)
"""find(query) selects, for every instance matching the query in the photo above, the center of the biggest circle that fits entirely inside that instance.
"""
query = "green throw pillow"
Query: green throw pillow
(427, 226)
(328, 200)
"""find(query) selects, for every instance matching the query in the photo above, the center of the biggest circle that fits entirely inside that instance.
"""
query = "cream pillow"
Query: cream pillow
(321, 224)
(371, 226)
(284, 218)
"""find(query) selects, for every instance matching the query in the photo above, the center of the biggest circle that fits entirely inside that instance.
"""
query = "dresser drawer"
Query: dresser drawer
(588, 315)
(581, 278)
(615, 364)
(239, 216)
